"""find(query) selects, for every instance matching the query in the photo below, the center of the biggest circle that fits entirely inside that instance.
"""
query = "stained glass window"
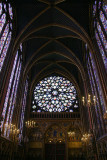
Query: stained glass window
(0, 9)
(54, 94)
(23, 109)
(2, 21)
(103, 20)
(3, 38)
(10, 11)
(3, 55)
(102, 36)
(12, 94)
(21, 47)
(100, 24)
(101, 49)
(94, 93)
(10, 99)
(94, 8)
(98, 84)
(105, 8)
(8, 90)
(14, 98)
(5, 30)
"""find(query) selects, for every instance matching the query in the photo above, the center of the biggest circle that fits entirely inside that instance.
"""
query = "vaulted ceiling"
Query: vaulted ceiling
(53, 33)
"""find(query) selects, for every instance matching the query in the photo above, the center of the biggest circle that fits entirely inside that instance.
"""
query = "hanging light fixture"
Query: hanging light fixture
(91, 100)
(86, 138)
(31, 124)
(71, 134)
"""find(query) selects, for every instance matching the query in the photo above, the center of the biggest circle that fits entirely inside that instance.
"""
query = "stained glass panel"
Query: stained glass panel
(98, 84)
(54, 94)
(4, 31)
(17, 81)
(10, 11)
(13, 100)
(21, 47)
(102, 36)
(11, 97)
(3, 55)
(105, 8)
(3, 38)
(94, 92)
(2, 21)
(12, 93)
(0, 9)
(23, 110)
(101, 29)
(5, 8)
(94, 8)
(8, 90)
(99, 5)
(103, 20)
(101, 49)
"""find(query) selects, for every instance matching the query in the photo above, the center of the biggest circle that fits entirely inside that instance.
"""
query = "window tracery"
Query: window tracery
(23, 109)
(105, 8)
(100, 24)
(96, 90)
(10, 99)
(54, 94)
(5, 30)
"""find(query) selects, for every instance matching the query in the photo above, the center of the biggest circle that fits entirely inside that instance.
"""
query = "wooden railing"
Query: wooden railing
(56, 115)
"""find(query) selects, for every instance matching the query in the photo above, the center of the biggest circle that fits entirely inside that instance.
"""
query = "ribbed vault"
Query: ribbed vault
(52, 40)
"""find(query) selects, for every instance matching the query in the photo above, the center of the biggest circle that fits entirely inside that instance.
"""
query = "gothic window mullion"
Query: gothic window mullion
(1, 9)
(11, 98)
(101, 49)
(23, 103)
(9, 101)
(9, 114)
(94, 92)
(3, 30)
(102, 27)
(6, 17)
(103, 20)
(101, 42)
(5, 50)
(104, 11)
(15, 94)
(2, 22)
(8, 90)
(99, 99)
(96, 81)
(99, 93)
(4, 44)
(97, 106)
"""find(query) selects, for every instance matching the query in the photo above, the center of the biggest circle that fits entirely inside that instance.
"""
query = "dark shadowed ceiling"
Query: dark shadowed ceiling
(53, 33)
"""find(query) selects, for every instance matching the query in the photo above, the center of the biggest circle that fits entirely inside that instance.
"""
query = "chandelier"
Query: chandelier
(30, 124)
(71, 134)
(91, 100)
(86, 138)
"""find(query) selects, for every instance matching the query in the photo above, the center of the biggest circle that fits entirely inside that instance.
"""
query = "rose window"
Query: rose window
(54, 94)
